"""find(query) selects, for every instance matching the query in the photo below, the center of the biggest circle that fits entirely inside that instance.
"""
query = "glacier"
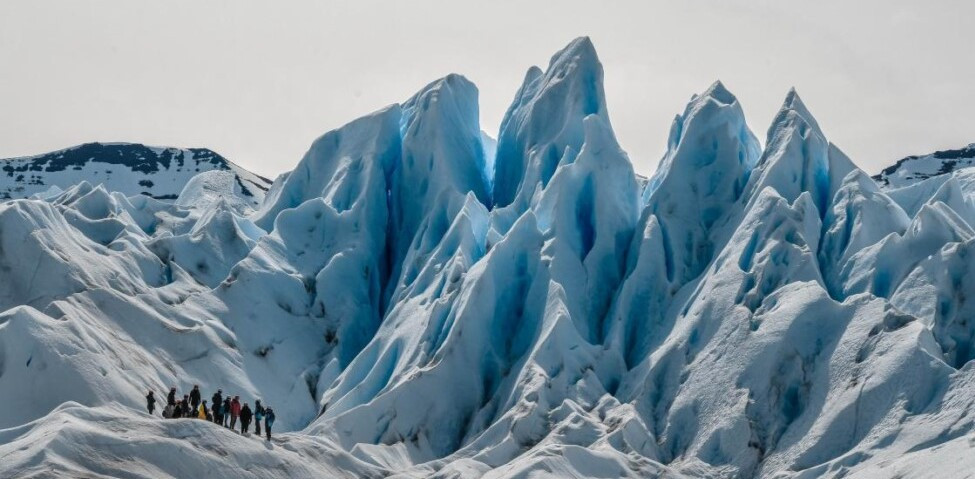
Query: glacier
(417, 299)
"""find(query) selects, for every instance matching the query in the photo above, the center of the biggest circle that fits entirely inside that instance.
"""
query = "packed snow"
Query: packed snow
(415, 300)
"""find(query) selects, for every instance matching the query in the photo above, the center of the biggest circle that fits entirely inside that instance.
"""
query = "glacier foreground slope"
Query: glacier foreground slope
(415, 303)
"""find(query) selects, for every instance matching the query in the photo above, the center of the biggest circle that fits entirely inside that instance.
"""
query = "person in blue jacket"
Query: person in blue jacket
(258, 417)
(226, 412)
(268, 421)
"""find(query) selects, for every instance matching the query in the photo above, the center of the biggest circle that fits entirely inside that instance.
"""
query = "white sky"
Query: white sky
(258, 81)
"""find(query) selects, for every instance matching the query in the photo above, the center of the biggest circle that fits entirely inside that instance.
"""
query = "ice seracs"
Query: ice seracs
(415, 302)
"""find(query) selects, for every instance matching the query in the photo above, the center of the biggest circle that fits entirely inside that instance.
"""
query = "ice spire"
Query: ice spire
(588, 214)
(702, 176)
(442, 160)
(798, 157)
(339, 165)
(329, 222)
(713, 115)
(545, 120)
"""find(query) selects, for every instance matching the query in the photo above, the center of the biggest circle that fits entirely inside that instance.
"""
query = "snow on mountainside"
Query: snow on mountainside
(416, 300)
(128, 168)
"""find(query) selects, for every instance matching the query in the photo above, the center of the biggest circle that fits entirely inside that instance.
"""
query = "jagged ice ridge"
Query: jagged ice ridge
(416, 301)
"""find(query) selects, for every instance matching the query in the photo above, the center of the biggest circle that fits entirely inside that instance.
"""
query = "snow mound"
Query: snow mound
(206, 188)
(218, 241)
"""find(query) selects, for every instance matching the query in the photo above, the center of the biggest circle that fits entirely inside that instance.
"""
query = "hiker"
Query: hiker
(217, 401)
(177, 412)
(171, 398)
(245, 418)
(168, 411)
(226, 411)
(234, 411)
(195, 397)
(203, 411)
(268, 421)
(258, 416)
(185, 404)
(150, 402)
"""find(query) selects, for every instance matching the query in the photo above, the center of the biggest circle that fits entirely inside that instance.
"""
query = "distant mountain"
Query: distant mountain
(129, 168)
(921, 167)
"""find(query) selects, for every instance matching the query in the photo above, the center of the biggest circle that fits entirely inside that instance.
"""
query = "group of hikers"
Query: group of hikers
(224, 410)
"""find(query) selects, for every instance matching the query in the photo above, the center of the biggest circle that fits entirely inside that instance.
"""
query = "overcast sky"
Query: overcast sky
(258, 81)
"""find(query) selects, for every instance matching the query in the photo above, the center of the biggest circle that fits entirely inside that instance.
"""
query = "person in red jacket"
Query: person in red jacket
(234, 411)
